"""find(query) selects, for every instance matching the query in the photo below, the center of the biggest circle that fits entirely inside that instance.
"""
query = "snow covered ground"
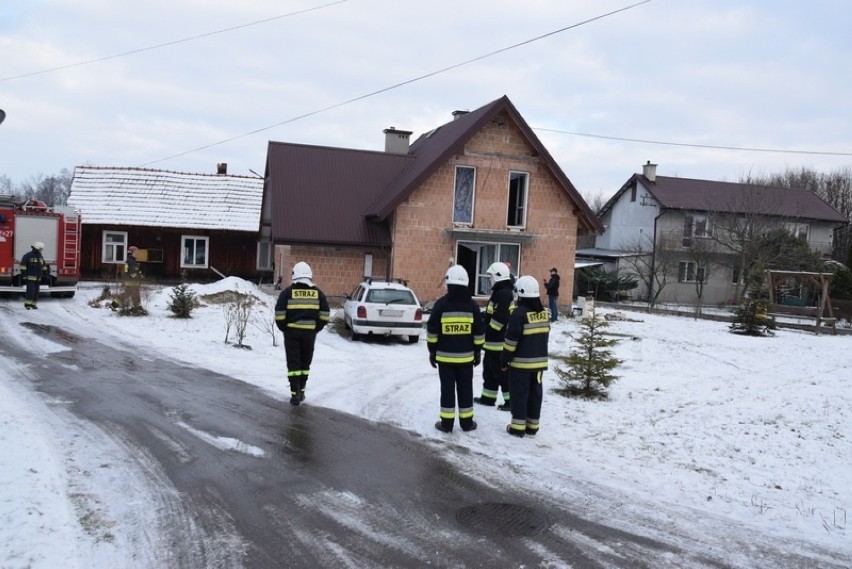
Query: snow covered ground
(754, 430)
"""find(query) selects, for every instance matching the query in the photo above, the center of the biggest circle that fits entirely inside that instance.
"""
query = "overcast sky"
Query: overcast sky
(106, 83)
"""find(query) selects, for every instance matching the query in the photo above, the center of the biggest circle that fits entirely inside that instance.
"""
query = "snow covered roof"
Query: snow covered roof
(160, 198)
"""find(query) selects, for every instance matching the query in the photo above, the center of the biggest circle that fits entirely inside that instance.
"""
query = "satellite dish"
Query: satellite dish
(2, 116)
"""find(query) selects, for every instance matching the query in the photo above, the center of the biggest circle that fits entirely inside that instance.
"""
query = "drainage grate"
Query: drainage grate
(503, 519)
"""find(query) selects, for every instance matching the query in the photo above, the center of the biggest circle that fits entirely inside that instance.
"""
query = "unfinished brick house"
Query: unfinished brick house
(478, 189)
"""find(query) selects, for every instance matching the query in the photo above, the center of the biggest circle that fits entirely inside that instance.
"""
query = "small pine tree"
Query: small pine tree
(183, 301)
(751, 319)
(587, 368)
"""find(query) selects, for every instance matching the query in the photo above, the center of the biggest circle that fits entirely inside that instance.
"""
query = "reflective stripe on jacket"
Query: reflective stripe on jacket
(526, 339)
(303, 307)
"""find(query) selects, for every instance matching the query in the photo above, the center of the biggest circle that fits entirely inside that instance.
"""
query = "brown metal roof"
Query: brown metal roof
(729, 197)
(319, 193)
(341, 196)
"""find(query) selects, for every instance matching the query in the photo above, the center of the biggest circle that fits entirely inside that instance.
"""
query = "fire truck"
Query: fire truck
(21, 225)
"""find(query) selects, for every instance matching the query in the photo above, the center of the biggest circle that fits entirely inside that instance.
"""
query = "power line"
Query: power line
(691, 145)
(170, 43)
(397, 85)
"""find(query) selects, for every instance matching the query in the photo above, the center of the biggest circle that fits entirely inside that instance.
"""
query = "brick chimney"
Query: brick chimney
(396, 141)
(650, 171)
(222, 168)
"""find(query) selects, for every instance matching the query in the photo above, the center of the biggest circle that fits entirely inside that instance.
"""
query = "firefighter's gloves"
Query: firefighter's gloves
(477, 358)
(432, 359)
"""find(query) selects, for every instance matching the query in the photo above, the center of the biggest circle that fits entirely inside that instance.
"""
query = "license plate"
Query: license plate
(396, 313)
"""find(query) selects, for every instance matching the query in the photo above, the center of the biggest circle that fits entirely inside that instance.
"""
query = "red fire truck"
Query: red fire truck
(21, 225)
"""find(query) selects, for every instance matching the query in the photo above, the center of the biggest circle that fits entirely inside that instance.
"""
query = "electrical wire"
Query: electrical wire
(397, 85)
(692, 145)
(170, 43)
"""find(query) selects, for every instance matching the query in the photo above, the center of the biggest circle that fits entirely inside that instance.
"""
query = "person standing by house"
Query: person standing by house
(500, 304)
(33, 268)
(300, 312)
(525, 357)
(454, 336)
(552, 287)
(132, 279)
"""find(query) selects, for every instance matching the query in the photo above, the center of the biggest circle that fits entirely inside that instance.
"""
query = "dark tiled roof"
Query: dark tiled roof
(340, 196)
(319, 194)
(732, 197)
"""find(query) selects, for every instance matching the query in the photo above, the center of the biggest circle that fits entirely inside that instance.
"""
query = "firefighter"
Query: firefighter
(500, 305)
(132, 278)
(525, 356)
(454, 336)
(301, 311)
(33, 268)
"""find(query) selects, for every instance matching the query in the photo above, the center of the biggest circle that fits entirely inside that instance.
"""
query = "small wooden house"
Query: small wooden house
(197, 227)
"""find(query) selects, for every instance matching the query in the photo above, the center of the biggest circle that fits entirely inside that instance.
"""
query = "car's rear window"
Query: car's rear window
(390, 296)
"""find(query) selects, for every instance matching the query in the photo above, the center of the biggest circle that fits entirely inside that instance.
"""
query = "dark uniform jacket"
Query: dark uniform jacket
(552, 286)
(301, 307)
(455, 332)
(526, 339)
(497, 313)
(32, 265)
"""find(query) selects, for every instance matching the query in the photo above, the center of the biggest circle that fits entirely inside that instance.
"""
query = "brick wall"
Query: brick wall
(422, 250)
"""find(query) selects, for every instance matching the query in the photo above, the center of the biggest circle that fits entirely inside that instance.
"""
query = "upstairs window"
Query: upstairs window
(695, 226)
(517, 214)
(463, 195)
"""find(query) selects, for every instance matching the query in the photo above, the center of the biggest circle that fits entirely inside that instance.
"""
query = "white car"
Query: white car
(380, 308)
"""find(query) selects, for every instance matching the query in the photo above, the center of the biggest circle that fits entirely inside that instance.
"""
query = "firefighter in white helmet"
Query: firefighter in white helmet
(525, 357)
(33, 270)
(454, 336)
(500, 305)
(301, 311)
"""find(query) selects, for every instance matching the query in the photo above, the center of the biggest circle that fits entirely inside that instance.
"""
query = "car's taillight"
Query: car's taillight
(419, 314)
(362, 312)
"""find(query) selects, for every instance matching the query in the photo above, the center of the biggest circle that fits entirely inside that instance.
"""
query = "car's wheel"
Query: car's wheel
(413, 339)
(355, 337)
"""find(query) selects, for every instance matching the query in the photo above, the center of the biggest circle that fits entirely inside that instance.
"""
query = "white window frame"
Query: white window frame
(690, 272)
(188, 242)
(797, 229)
(368, 265)
(113, 251)
(482, 284)
(519, 209)
(460, 216)
(691, 223)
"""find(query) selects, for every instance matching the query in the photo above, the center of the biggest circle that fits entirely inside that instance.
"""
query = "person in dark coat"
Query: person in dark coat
(33, 268)
(552, 287)
(132, 279)
(300, 312)
(525, 357)
(500, 305)
(454, 336)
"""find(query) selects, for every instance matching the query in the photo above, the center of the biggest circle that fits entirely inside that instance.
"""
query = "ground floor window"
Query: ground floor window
(195, 252)
(114, 247)
(690, 272)
(476, 257)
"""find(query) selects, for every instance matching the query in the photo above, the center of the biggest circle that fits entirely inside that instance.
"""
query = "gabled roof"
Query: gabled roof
(160, 198)
(730, 197)
(433, 149)
(365, 187)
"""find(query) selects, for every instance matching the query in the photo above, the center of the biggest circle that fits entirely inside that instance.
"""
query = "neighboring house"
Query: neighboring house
(478, 189)
(187, 226)
(682, 225)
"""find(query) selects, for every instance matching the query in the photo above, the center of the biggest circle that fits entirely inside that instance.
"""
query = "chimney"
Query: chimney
(650, 171)
(222, 168)
(459, 114)
(396, 141)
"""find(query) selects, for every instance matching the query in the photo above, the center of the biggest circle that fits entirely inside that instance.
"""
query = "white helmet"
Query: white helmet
(302, 273)
(527, 287)
(499, 272)
(38, 245)
(456, 275)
